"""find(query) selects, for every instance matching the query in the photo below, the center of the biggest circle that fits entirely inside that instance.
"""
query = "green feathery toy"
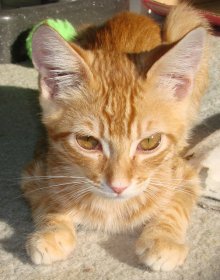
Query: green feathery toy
(63, 27)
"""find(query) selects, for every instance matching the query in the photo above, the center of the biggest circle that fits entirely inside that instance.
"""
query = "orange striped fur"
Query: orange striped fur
(107, 85)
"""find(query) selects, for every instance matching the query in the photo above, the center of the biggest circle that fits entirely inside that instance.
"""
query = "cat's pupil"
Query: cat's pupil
(150, 143)
(88, 142)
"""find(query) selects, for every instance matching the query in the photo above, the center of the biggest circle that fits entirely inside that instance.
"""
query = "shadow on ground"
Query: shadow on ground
(19, 129)
(122, 248)
(204, 129)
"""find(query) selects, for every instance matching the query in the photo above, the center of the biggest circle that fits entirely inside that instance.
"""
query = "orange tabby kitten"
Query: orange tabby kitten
(118, 105)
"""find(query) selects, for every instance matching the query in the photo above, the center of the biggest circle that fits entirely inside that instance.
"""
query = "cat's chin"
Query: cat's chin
(115, 196)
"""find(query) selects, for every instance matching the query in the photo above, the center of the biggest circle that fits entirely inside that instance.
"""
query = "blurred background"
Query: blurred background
(17, 17)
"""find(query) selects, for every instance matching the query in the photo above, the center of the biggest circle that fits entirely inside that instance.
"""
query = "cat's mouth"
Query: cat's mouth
(108, 194)
(133, 190)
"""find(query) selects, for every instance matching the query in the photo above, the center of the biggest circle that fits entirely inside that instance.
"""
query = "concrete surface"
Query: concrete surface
(97, 256)
(14, 23)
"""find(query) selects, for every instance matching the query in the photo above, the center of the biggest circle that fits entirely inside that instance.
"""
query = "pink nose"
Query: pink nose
(118, 190)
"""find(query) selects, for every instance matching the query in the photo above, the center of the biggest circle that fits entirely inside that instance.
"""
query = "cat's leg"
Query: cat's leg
(161, 245)
(54, 237)
(53, 240)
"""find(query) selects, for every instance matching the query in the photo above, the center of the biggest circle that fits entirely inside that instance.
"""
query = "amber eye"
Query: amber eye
(150, 143)
(88, 142)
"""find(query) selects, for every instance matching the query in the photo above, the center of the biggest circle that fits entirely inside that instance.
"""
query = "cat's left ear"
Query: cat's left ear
(176, 70)
(63, 68)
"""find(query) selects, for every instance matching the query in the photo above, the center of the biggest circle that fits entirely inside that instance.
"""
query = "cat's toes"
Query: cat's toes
(161, 254)
(50, 245)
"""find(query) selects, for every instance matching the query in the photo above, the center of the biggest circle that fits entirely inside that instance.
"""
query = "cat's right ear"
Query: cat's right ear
(62, 67)
(175, 72)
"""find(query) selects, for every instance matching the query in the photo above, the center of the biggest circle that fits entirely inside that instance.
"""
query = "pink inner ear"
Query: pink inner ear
(52, 87)
(179, 85)
(57, 81)
(176, 70)
(182, 87)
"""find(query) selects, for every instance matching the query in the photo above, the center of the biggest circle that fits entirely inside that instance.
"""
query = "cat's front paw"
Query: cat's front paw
(50, 245)
(161, 254)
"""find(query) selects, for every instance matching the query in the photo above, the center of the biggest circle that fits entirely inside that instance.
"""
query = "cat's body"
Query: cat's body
(129, 171)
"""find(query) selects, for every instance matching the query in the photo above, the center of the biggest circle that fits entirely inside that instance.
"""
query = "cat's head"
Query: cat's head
(107, 121)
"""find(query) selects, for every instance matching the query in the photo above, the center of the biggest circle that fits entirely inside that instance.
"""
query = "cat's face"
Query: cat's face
(118, 140)
(107, 122)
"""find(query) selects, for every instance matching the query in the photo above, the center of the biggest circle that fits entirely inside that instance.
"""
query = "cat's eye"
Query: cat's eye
(150, 143)
(88, 142)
